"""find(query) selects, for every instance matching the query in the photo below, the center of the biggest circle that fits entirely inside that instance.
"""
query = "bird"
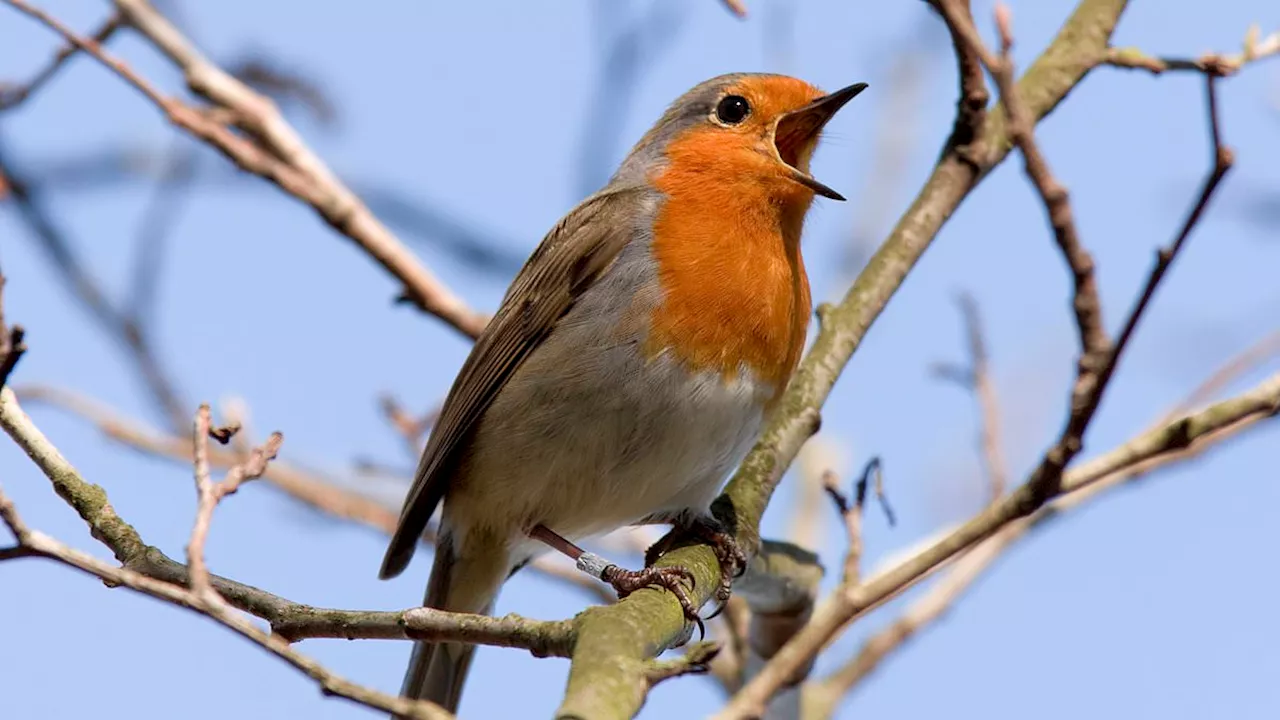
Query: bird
(631, 363)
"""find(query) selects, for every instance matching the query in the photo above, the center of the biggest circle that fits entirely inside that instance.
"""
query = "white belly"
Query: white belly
(572, 445)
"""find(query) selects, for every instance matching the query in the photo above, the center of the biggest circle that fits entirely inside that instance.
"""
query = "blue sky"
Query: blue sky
(1149, 603)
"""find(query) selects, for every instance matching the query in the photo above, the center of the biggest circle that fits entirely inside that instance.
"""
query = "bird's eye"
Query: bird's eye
(732, 110)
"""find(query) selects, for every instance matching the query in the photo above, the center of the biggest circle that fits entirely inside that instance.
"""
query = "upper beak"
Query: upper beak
(798, 127)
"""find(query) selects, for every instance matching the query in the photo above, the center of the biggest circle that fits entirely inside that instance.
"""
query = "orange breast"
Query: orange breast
(728, 253)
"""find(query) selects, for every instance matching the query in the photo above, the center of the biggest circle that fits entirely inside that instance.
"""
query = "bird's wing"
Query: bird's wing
(573, 255)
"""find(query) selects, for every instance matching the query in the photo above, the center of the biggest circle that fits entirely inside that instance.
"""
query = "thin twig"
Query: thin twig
(1094, 343)
(1239, 364)
(1254, 48)
(13, 96)
(976, 378)
(209, 494)
(971, 108)
(125, 329)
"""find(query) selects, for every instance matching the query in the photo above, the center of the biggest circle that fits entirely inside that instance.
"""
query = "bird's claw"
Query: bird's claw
(729, 554)
(626, 582)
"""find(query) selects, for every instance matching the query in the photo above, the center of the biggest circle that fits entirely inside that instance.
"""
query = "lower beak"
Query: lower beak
(797, 129)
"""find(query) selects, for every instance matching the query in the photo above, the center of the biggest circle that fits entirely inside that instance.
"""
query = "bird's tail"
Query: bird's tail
(466, 581)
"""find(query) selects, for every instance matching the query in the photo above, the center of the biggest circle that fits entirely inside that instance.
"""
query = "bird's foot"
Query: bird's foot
(626, 582)
(707, 530)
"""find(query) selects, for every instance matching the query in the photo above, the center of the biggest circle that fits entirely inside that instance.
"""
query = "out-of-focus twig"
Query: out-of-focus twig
(123, 327)
(15, 95)
(1250, 358)
(976, 378)
(275, 153)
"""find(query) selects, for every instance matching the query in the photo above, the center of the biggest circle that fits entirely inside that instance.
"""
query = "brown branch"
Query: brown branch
(971, 108)
(1094, 343)
(282, 157)
(11, 97)
(209, 494)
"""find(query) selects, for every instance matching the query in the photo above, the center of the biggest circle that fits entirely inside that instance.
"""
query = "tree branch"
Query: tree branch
(291, 620)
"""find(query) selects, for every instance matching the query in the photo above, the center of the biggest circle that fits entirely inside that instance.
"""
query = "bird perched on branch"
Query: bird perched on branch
(632, 362)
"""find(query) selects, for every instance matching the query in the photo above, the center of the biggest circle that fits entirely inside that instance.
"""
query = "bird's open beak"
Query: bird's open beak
(796, 130)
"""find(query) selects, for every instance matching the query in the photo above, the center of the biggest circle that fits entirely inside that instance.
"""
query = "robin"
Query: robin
(632, 361)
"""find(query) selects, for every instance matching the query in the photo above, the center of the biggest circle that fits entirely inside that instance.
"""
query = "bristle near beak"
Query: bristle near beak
(797, 129)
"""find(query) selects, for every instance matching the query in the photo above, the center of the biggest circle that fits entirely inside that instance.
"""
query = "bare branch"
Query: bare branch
(1094, 343)
(977, 379)
(283, 158)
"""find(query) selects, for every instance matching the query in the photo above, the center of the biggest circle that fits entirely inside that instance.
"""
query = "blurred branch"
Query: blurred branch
(125, 328)
(896, 134)
(276, 152)
(737, 7)
(631, 51)
(976, 378)
(12, 96)
(1250, 358)
(167, 201)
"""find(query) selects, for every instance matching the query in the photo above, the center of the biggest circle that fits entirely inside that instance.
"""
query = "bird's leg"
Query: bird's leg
(709, 530)
(623, 581)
